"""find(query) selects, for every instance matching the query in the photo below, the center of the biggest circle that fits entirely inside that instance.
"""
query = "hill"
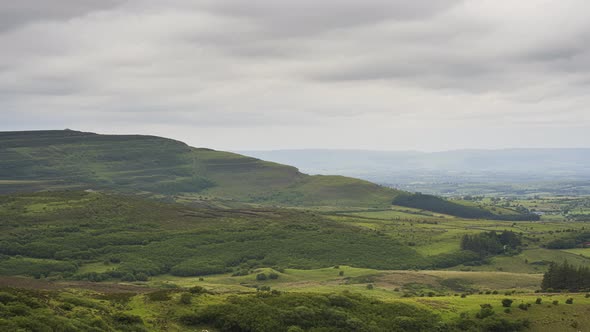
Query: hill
(129, 262)
(66, 159)
(73, 160)
(59, 232)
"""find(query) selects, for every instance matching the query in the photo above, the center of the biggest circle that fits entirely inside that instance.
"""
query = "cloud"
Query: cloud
(329, 73)
(14, 14)
(306, 17)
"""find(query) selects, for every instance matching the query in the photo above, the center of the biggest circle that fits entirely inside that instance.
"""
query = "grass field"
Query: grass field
(91, 228)
(451, 295)
(123, 262)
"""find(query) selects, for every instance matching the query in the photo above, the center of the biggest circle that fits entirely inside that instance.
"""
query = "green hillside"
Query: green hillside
(73, 160)
(65, 159)
(112, 262)
(60, 232)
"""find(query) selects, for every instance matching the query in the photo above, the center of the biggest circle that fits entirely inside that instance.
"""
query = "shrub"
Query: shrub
(141, 276)
(341, 273)
(485, 311)
(507, 303)
(185, 298)
(162, 295)
(126, 319)
(240, 273)
(370, 286)
(523, 306)
(539, 300)
(569, 301)
(507, 310)
(66, 306)
(128, 277)
(197, 268)
(294, 329)
(115, 260)
(197, 290)
(273, 276)
(7, 297)
(312, 312)
(555, 302)
(191, 319)
(18, 309)
(261, 277)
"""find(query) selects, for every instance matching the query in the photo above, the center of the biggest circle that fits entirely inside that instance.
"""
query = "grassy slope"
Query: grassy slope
(59, 231)
(55, 232)
(102, 226)
(70, 159)
(86, 306)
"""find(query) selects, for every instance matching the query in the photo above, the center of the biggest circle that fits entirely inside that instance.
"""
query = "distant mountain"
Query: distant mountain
(511, 165)
(66, 159)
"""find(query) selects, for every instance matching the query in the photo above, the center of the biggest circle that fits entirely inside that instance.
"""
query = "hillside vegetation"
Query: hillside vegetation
(440, 205)
(77, 160)
(59, 233)
(66, 159)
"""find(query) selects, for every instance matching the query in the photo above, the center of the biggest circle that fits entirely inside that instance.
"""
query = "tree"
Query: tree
(490, 243)
(566, 277)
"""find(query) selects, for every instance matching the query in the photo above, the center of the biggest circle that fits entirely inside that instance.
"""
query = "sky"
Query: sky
(283, 74)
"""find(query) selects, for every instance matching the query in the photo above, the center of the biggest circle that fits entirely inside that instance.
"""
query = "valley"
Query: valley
(128, 233)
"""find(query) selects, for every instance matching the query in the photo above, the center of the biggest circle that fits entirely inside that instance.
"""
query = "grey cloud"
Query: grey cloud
(21, 12)
(304, 17)
(318, 70)
(49, 85)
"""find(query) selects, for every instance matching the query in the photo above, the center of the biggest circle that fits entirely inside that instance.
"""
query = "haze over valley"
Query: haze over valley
(504, 172)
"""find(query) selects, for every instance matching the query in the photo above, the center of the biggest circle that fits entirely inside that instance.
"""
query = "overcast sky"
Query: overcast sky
(272, 74)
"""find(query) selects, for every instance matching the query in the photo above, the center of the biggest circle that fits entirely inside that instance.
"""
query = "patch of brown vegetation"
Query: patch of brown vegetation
(29, 283)
(395, 279)
(441, 305)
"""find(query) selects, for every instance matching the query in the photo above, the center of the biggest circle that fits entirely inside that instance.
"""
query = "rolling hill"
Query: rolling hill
(74, 160)
(56, 232)
(66, 159)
